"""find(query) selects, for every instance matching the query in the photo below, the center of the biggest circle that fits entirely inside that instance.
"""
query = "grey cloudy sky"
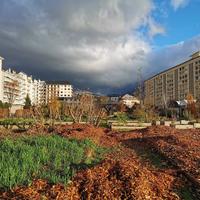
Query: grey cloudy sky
(95, 44)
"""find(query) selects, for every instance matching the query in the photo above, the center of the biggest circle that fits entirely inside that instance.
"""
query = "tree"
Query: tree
(12, 92)
(40, 113)
(94, 111)
(121, 107)
(27, 102)
(191, 107)
(54, 109)
(85, 105)
(75, 108)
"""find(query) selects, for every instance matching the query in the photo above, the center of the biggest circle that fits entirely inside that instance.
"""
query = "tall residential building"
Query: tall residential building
(59, 89)
(24, 85)
(175, 83)
(17, 85)
(39, 92)
(1, 80)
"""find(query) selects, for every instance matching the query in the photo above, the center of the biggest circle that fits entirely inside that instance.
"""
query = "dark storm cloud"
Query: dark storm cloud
(94, 44)
(90, 43)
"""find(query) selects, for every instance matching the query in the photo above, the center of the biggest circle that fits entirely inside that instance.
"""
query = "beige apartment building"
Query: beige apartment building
(174, 84)
(58, 89)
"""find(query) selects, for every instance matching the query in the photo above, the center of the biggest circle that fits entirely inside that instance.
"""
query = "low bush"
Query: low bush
(122, 117)
(145, 114)
(67, 119)
(52, 158)
(19, 122)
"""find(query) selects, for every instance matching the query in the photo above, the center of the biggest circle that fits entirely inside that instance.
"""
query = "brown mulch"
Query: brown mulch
(123, 179)
(84, 131)
(182, 147)
(121, 175)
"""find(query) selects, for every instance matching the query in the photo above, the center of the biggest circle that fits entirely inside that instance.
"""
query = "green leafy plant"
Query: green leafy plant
(53, 158)
(122, 117)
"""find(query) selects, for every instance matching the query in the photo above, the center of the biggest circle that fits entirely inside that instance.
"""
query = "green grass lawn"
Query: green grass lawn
(53, 158)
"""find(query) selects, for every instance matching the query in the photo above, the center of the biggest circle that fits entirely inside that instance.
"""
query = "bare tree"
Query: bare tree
(191, 107)
(12, 91)
(39, 113)
(75, 108)
(85, 105)
(54, 110)
(94, 111)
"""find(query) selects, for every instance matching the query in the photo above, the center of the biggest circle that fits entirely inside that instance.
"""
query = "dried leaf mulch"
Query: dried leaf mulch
(119, 176)
(182, 147)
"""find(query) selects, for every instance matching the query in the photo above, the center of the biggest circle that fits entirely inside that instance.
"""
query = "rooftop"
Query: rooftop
(128, 97)
(58, 83)
(193, 56)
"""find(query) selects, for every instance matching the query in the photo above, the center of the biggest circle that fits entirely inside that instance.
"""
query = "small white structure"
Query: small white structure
(114, 98)
(130, 100)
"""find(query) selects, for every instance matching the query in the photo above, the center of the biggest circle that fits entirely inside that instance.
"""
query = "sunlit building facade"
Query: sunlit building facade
(58, 89)
(1, 80)
(174, 84)
(40, 92)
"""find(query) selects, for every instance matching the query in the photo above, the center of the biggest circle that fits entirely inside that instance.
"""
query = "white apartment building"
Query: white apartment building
(40, 92)
(24, 86)
(1, 80)
(12, 93)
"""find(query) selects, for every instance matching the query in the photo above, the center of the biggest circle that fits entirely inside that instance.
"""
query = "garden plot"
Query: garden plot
(107, 166)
